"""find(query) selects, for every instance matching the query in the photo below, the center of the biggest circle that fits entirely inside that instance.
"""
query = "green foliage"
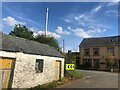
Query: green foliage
(75, 74)
(47, 40)
(70, 58)
(22, 31)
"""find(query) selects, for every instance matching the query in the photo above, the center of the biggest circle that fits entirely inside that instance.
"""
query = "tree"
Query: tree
(22, 31)
(47, 40)
(70, 58)
(111, 62)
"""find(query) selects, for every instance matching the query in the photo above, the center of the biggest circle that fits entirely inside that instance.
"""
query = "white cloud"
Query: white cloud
(35, 34)
(67, 20)
(115, 0)
(51, 34)
(83, 18)
(112, 4)
(112, 12)
(69, 28)
(31, 29)
(1, 25)
(80, 17)
(29, 20)
(96, 9)
(94, 31)
(88, 17)
(80, 32)
(11, 21)
(60, 30)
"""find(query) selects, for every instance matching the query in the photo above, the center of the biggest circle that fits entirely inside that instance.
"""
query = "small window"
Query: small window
(87, 63)
(96, 51)
(39, 65)
(86, 52)
(96, 63)
(110, 51)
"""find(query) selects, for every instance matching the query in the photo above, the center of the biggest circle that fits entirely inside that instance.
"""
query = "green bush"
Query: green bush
(84, 66)
(74, 74)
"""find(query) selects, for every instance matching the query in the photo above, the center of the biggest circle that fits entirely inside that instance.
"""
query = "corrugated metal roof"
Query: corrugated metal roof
(16, 44)
(102, 41)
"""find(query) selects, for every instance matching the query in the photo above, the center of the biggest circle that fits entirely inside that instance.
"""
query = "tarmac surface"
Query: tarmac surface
(97, 80)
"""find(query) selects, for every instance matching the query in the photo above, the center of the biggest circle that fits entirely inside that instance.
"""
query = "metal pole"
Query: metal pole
(63, 45)
(46, 22)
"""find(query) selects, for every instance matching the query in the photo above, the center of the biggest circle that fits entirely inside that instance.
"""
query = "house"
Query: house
(100, 53)
(27, 63)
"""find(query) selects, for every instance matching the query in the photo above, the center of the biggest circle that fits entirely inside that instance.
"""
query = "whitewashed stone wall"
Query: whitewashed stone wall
(25, 75)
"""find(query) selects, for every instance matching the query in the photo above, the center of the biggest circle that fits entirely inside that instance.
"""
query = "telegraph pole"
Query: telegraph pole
(63, 46)
(46, 21)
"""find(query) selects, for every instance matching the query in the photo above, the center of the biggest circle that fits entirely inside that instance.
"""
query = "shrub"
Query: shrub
(73, 74)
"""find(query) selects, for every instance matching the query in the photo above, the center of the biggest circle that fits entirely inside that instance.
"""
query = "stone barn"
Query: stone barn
(25, 63)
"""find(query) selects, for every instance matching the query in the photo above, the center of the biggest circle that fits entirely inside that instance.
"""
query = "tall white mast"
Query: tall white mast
(46, 22)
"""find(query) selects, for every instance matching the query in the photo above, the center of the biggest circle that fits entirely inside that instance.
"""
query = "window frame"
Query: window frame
(39, 65)
(96, 63)
(96, 51)
(86, 50)
(109, 53)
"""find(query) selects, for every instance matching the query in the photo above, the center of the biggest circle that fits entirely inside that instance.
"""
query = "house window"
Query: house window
(108, 63)
(86, 52)
(39, 65)
(96, 51)
(87, 63)
(111, 63)
(110, 51)
(96, 63)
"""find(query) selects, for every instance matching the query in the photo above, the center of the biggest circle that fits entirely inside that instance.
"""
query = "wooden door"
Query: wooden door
(58, 70)
(5, 68)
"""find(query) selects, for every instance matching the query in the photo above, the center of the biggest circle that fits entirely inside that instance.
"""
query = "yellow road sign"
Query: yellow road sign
(70, 66)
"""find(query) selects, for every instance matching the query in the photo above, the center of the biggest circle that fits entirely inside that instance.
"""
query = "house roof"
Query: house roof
(102, 41)
(16, 44)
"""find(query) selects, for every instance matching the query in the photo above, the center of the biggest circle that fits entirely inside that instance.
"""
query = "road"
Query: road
(94, 79)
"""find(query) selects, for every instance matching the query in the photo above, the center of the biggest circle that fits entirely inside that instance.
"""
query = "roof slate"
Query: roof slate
(102, 41)
(16, 44)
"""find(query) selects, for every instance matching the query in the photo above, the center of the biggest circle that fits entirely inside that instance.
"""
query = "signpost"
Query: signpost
(70, 67)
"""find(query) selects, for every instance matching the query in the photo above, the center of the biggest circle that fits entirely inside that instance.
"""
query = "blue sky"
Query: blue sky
(69, 21)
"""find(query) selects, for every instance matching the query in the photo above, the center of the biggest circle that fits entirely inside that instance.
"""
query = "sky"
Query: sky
(68, 21)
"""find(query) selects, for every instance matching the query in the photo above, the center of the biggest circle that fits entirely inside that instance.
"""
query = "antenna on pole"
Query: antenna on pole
(46, 21)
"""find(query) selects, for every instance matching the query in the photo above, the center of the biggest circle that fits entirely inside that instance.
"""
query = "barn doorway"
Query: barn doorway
(58, 70)
(7, 69)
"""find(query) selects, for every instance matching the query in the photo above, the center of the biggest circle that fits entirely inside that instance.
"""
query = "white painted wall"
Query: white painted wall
(25, 75)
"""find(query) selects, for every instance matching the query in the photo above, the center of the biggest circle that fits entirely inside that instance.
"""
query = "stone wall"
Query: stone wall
(25, 75)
